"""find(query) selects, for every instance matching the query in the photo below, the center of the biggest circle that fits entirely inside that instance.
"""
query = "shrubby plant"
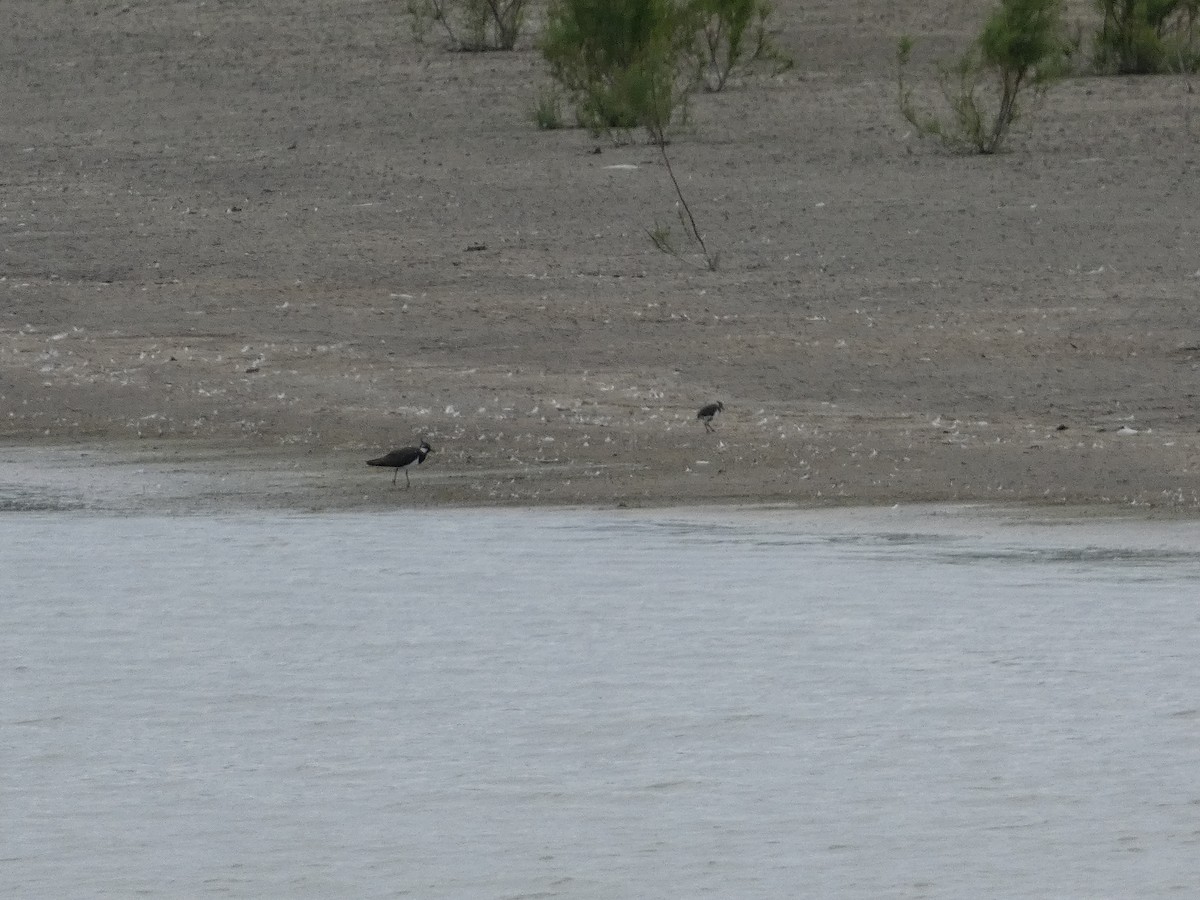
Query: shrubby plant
(470, 24)
(622, 62)
(547, 109)
(625, 63)
(733, 35)
(1141, 37)
(1019, 53)
(631, 64)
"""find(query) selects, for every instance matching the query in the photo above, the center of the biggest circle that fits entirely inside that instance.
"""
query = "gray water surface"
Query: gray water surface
(591, 704)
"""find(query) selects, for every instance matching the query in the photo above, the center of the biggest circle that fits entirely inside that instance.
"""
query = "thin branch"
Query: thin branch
(691, 220)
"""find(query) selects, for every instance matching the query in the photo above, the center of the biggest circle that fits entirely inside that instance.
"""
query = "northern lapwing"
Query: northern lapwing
(708, 413)
(398, 459)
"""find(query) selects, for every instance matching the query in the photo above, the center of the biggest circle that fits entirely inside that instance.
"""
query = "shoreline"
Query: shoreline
(195, 478)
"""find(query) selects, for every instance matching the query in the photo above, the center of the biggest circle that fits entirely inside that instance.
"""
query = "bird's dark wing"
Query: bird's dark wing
(396, 458)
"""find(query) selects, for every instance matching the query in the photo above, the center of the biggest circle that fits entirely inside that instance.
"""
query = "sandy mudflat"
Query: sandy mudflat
(247, 246)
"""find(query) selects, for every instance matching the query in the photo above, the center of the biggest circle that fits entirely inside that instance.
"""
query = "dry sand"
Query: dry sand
(247, 246)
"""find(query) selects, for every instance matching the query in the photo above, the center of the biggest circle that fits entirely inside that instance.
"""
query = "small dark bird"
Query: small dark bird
(398, 459)
(707, 413)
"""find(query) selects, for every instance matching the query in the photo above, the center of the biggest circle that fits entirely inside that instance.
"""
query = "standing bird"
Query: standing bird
(398, 459)
(708, 413)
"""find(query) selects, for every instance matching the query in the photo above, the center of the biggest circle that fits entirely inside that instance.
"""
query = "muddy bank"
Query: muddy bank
(257, 247)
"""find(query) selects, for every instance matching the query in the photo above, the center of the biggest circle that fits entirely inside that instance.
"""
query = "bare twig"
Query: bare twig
(710, 260)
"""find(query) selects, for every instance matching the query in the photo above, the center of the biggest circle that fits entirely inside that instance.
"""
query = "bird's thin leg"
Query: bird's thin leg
(395, 472)
(407, 480)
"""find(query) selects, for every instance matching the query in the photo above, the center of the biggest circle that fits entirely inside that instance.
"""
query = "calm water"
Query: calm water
(582, 704)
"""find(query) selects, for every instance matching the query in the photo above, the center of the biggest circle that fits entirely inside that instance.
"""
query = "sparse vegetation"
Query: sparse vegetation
(470, 24)
(623, 63)
(629, 64)
(1141, 37)
(1020, 52)
(733, 35)
(547, 110)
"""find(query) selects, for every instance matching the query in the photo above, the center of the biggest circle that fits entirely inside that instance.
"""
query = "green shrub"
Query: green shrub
(470, 24)
(547, 111)
(733, 35)
(1021, 50)
(1146, 36)
(623, 63)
